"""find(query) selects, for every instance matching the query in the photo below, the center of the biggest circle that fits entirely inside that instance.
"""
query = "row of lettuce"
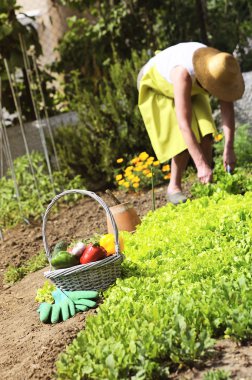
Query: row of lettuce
(186, 282)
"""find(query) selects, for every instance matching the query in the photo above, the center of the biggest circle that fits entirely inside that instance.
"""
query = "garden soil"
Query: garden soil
(28, 348)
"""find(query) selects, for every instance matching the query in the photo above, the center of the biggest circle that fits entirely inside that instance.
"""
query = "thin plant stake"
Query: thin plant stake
(152, 191)
(46, 113)
(9, 159)
(19, 113)
(36, 111)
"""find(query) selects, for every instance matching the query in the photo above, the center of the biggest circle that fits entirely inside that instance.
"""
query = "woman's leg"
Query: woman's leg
(178, 166)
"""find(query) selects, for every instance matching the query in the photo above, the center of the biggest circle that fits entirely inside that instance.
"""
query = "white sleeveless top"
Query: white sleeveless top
(177, 55)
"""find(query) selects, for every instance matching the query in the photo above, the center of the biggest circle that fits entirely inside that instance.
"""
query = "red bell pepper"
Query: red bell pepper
(93, 252)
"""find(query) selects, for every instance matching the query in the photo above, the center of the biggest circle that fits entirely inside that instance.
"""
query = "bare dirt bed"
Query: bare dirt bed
(28, 348)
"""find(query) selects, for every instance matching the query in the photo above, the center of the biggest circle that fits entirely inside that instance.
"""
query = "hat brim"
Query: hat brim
(230, 92)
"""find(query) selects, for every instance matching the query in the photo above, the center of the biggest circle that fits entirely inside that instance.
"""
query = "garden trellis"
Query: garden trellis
(5, 149)
(39, 105)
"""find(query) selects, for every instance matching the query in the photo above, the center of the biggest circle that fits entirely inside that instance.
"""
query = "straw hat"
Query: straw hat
(219, 73)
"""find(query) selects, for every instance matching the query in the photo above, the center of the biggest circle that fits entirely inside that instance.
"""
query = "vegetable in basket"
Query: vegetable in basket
(64, 259)
(107, 241)
(93, 252)
(76, 249)
(66, 305)
(60, 246)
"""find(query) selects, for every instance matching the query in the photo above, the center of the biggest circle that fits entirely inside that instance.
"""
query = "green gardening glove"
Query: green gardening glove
(61, 310)
(83, 299)
(66, 305)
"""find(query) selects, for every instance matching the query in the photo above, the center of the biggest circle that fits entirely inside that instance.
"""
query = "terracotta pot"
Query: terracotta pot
(125, 217)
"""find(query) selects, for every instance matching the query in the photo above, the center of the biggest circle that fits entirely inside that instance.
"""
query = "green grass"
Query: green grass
(14, 274)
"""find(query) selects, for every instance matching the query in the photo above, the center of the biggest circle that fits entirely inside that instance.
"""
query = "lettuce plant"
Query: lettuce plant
(186, 281)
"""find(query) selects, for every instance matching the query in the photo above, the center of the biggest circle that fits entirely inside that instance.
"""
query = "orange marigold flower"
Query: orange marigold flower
(136, 185)
(166, 168)
(218, 137)
(146, 171)
(119, 160)
(167, 176)
(134, 160)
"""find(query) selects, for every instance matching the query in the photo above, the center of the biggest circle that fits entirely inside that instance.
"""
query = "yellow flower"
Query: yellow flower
(118, 177)
(136, 179)
(139, 163)
(146, 171)
(129, 168)
(145, 166)
(167, 176)
(156, 163)
(131, 176)
(143, 156)
(218, 137)
(119, 160)
(136, 185)
(150, 160)
(166, 168)
(121, 182)
(138, 168)
(134, 160)
(126, 184)
(149, 175)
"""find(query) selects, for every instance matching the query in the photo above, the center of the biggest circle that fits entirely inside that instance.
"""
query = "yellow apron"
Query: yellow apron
(156, 104)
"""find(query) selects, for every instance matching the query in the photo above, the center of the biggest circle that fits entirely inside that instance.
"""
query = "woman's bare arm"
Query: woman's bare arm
(182, 95)
(228, 125)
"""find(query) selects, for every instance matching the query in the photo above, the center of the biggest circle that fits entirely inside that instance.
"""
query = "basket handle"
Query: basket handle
(84, 192)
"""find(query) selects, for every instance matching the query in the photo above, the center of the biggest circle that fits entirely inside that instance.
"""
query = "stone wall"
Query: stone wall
(243, 107)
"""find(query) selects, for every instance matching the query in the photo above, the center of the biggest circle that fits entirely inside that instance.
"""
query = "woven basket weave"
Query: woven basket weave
(98, 275)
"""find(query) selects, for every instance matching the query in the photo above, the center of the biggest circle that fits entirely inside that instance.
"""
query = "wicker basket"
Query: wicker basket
(98, 275)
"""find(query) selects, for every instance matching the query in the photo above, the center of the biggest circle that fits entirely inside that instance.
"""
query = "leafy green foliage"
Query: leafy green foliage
(110, 125)
(104, 27)
(31, 203)
(242, 145)
(186, 281)
(237, 183)
(14, 274)
(44, 294)
(10, 31)
(217, 375)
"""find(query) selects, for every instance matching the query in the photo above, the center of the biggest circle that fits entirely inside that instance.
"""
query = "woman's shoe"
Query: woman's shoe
(176, 198)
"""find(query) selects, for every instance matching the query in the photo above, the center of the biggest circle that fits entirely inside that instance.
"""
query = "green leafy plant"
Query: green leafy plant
(237, 183)
(242, 144)
(14, 274)
(110, 124)
(44, 294)
(218, 374)
(15, 209)
(186, 281)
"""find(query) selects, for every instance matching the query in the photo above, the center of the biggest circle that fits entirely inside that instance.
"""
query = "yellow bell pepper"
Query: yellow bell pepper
(108, 242)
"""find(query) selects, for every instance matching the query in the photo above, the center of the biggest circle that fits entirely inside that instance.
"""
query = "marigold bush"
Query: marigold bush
(141, 172)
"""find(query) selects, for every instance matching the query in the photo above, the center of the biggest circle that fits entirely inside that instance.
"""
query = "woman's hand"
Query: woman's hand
(229, 158)
(205, 173)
